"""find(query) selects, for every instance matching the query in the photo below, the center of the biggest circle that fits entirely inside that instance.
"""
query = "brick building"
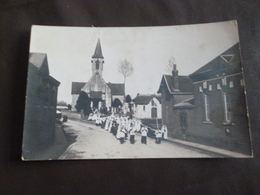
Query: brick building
(40, 108)
(209, 106)
(177, 103)
(219, 103)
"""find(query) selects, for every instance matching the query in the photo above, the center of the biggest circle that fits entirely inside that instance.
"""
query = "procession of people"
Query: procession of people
(125, 127)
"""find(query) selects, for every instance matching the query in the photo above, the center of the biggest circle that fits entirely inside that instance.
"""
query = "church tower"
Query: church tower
(97, 60)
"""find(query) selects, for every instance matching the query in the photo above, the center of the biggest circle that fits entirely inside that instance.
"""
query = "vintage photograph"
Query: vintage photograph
(135, 92)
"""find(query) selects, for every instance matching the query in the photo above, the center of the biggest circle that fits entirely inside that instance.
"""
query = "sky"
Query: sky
(69, 51)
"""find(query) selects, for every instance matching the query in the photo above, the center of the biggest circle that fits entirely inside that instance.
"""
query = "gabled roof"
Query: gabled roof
(116, 88)
(185, 84)
(227, 62)
(39, 60)
(158, 97)
(76, 87)
(144, 99)
(98, 51)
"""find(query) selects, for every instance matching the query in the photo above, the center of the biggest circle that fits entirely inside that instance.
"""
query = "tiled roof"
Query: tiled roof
(185, 84)
(76, 87)
(227, 62)
(144, 99)
(98, 51)
(39, 60)
(116, 88)
(159, 97)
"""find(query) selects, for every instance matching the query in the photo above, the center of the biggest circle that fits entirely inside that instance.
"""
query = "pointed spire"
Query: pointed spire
(98, 51)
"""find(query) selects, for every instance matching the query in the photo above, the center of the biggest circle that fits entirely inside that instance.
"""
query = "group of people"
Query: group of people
(122, 127)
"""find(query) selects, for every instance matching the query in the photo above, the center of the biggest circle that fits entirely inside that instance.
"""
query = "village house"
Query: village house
(177, 102)
(97, 89)
(40, 108)
(147, 106)
(219, 103)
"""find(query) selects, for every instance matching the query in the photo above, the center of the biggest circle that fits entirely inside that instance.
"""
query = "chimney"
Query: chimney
(175, 79)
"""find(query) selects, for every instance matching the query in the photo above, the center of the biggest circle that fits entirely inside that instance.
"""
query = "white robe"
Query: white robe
(165, 132)
(158, 134)
(107, 123)
(110, 125)
(144, 131)
(118, 133)
(90, 117)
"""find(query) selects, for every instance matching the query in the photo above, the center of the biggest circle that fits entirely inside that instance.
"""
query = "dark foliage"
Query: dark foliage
(128, 98)
(83, 103)
(116, 103)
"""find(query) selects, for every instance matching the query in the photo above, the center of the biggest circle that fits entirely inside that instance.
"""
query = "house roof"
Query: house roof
(76, 87)
(158, 97)
(116, 88)
(98, 51)
(144, 99)
(185, 84)
(39, 60)
(227, 62)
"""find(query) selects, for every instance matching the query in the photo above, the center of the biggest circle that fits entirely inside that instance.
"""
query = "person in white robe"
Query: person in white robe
(94, 117)
(138, 125)
(144, 132)
(110, 124)
(122, 135)
(107, 123)
(164, 131)
(98, 119)
(132, 131)
(90, 117)
(158, 135)
(103, 121)
(118, 128)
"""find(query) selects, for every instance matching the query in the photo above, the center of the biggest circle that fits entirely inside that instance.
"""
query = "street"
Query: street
(92, 142)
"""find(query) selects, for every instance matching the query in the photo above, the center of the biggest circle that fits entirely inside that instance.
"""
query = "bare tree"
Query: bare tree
(170, 65)
(126, 69)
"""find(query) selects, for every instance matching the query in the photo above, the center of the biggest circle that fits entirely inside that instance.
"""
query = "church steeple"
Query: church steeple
(98, 51)
(97, 60)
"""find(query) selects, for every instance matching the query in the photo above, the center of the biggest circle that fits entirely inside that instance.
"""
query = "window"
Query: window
(227, 108)
(143, 108)
(154, 112)
(207, 108)
(153, 104)
(231, 84)
(224, 81)
(242, 82)
(97, 65)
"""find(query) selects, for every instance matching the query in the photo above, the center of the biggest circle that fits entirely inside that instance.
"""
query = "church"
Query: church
(97, 89)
